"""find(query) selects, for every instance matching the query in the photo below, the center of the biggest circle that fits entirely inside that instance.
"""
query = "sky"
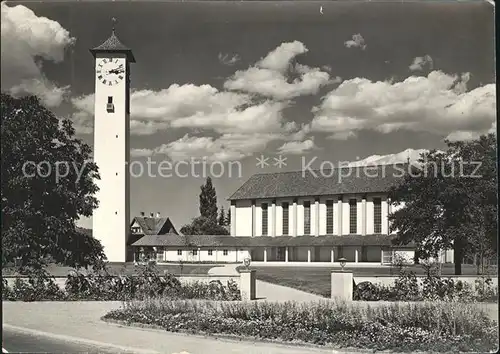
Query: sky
(258, 87)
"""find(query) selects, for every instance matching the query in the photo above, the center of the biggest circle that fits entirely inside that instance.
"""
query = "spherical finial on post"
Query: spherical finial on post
(113, 20)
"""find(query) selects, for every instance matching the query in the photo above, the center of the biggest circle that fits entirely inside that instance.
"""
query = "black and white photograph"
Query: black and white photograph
(258, 177)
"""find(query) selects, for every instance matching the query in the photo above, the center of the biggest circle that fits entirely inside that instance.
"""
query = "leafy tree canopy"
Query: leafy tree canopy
(450, 201)
(47, 183)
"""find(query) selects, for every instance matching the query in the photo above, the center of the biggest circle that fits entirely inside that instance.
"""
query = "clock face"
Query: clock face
(110, 71)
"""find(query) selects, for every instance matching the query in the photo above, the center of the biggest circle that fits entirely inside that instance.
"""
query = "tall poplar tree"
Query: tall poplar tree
(208, 201)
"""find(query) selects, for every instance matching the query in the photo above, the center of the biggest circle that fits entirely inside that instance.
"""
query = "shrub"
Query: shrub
(438, 326)
(407, 288)
(38, 287)
(6, 290)
(366, 291)
(100, 285)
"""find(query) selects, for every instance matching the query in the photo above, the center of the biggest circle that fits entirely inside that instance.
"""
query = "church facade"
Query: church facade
(297, 217)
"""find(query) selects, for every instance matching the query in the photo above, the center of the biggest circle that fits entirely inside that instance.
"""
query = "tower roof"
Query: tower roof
(113, 45)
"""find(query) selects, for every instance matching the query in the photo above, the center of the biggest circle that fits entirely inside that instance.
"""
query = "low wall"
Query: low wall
(389, 280)
(60, 281)
(184, 279)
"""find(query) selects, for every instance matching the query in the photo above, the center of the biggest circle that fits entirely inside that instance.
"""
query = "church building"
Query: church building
(313, 216)
(302, 217)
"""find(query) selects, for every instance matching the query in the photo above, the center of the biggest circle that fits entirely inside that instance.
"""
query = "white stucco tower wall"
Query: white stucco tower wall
(111, 219)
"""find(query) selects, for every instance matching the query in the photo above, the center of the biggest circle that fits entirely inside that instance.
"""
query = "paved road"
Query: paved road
(20, 342)
(80, 322)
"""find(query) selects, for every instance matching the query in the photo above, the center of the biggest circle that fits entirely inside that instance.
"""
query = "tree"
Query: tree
(228, 218)
(450, 201)
(222, 217)
(203, 226)
(47, 183)
(208, 201)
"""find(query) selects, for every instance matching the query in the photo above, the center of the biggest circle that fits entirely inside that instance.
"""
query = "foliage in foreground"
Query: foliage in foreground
(438, 326)
(47, 184)
(105, 287)
(450, 201)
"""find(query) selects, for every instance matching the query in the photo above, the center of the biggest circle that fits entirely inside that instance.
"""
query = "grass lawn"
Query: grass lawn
(130, 269)
(317, 280)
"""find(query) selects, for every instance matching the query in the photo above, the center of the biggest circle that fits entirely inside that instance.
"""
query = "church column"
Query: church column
(295, 223)
(316, 207)
(233, 218)
(273, 224)
(286, 254)
(265, 255)
(389, 211)
(363, 216)
(339, 216)
(295, 215)
(254, 221)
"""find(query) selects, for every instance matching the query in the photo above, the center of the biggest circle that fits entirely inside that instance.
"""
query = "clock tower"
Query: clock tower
(111, 219)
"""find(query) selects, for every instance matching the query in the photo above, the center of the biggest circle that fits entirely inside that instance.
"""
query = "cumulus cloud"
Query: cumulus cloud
(420, 62)
(297, 147)
(357, 41)
(228, 59)
(264, 117)
(345, 135)
(229, 124)
(227, 147)
(408, 155)
(438, 103)
(191, 106)
(27, 39)
(141, 152)
(208, 148)
(269, 77)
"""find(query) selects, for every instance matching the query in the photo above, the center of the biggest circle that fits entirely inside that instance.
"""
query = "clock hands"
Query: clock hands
(117, 70)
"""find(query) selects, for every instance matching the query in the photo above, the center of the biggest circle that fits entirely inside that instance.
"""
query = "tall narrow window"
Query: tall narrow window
(285, 218)
(307, 218)
(353, 216)
(329, 217)
(110, 99)
(377, 215)
(264, 219)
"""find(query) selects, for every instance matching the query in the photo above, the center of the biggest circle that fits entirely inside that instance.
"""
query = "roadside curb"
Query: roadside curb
(76, 339)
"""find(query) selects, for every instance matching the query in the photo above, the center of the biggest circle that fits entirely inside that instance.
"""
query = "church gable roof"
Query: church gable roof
(345, 180)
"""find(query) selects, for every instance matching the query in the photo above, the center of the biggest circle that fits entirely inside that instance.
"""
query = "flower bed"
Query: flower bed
(104, 287)
(438, 326)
